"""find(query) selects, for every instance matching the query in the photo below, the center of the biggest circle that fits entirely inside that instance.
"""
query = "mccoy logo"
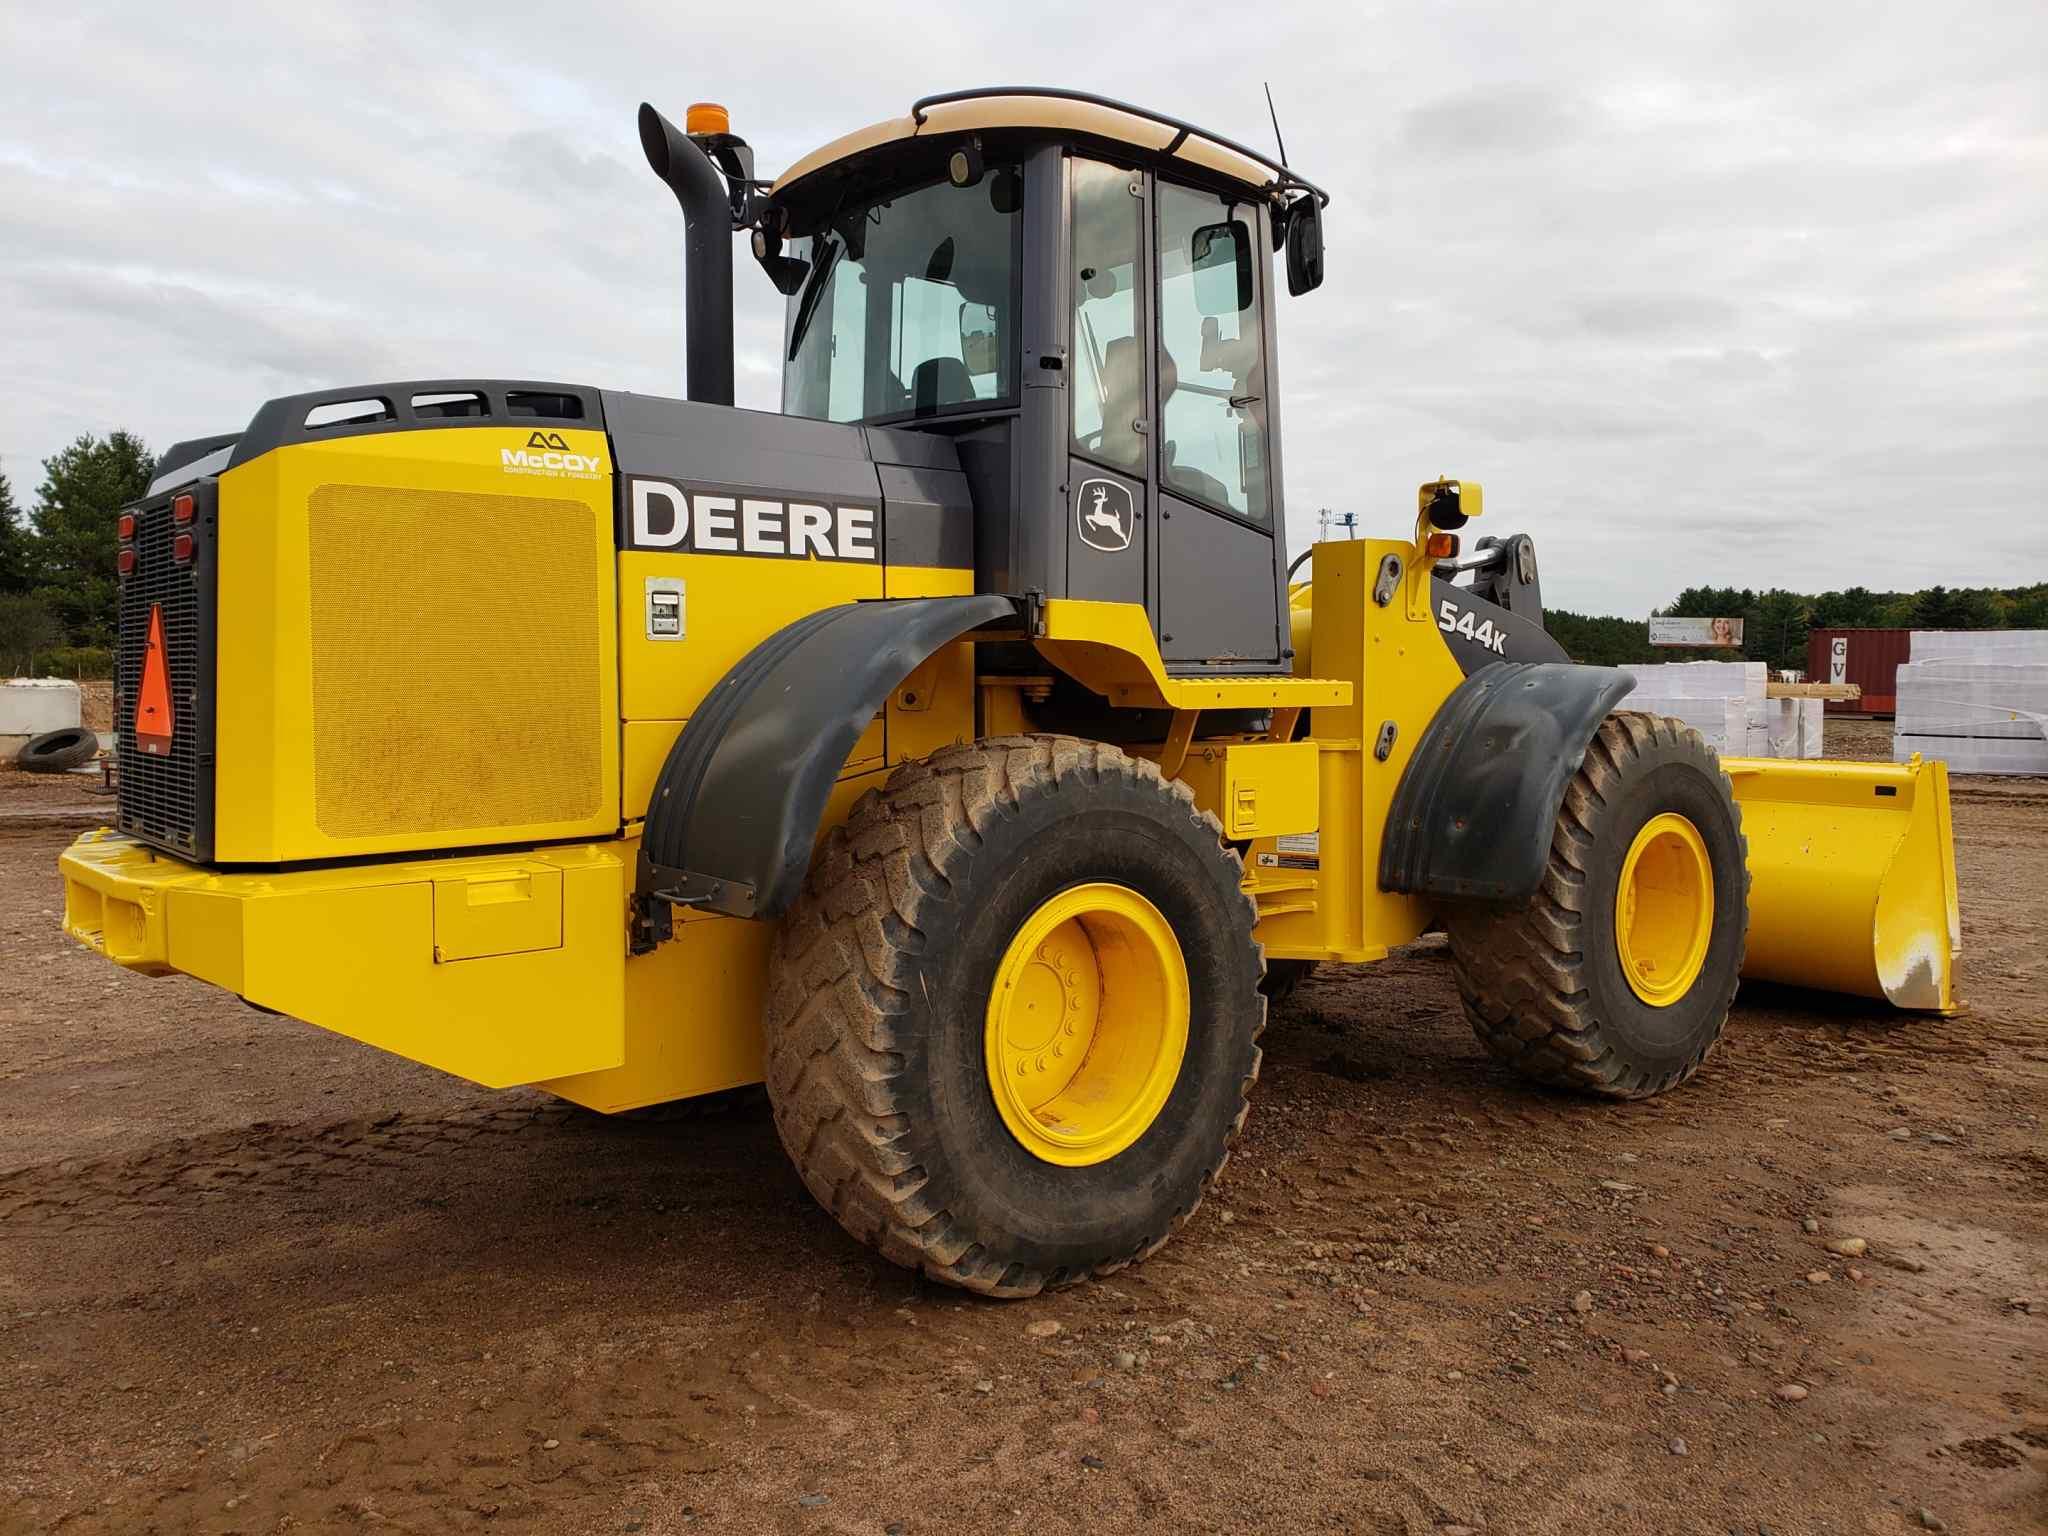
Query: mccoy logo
(1104, 515)
(548, 453)
(665, 516)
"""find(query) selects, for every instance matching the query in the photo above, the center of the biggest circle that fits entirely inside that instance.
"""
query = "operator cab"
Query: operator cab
(1075, 293)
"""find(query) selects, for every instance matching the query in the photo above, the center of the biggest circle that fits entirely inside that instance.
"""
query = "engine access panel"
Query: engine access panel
(731, 524)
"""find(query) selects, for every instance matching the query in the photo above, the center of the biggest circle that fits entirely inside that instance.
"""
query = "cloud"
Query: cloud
(1728, 293)
(1494, 122)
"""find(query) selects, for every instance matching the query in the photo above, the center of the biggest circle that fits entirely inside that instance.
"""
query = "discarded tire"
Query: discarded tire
(58, 751)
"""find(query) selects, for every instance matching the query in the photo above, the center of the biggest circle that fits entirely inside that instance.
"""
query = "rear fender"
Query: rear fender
(735, 812)
(1473, 815)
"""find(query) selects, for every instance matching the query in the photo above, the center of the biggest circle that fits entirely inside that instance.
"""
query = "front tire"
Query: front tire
(1616, 979)
(991, 904)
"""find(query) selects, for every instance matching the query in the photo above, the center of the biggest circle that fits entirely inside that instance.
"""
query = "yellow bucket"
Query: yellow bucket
(1852, 878)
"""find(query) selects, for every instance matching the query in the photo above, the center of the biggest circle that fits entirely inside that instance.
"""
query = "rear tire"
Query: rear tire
(1548, 986)
(884, 986)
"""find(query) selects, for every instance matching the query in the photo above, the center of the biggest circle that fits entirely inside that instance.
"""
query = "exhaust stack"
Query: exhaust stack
(707, 253)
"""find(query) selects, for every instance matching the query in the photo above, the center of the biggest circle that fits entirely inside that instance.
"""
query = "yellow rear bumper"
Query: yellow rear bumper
(503, 969)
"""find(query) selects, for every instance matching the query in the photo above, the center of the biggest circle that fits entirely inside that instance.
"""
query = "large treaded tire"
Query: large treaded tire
(878, 993)
(1543, 985)
(58, 751)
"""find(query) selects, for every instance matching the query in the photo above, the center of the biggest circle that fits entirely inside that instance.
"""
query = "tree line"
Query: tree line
(1775, 622)
(58, 599)
(59, 603)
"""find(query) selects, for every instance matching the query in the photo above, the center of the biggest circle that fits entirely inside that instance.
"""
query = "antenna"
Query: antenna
(1276, 124)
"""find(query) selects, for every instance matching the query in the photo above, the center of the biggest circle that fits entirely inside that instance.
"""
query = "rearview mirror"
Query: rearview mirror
(1304, 245)
(978, 338)
(787, 273)
(1220, 256)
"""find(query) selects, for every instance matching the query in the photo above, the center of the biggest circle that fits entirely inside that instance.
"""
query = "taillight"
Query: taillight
(125, 561)
(126, 526)
(181, 509)
(181, 549)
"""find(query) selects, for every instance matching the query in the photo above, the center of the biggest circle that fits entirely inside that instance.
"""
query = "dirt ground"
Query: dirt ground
(255, 1278)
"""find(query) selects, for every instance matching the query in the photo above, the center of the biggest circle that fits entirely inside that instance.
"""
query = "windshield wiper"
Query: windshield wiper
(814, 290)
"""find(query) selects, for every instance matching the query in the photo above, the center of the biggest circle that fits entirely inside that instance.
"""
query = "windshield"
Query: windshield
(909, 307)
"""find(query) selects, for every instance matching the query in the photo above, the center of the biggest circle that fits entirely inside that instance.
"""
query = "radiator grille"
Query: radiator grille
(455, 661)
(167, 800)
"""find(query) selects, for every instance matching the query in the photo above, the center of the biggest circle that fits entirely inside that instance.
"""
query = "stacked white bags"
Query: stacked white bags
(1976, 699)
(1725, 702)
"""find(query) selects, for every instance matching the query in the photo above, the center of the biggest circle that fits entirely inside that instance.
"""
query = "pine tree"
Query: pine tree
(84, 488)
(17, 545)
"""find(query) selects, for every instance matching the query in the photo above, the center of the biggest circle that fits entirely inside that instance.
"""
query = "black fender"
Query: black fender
(734, 815)
(1473, 814)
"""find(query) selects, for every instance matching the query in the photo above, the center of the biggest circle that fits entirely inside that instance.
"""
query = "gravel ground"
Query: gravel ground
(256, 1278)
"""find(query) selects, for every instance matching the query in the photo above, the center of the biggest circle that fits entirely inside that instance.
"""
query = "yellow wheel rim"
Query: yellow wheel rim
(1664, 909)
(1087, 1024)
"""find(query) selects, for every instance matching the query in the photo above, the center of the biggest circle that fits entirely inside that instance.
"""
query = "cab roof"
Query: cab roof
(1063, 114)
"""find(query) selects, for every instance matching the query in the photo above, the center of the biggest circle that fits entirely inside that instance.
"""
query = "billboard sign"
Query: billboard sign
(1696, 632)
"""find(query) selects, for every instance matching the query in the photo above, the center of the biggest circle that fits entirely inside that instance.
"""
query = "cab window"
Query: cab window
(1109, 360)
(1212, 439)
(909, 307)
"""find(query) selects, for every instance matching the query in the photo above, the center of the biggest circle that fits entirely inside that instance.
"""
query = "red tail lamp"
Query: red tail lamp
(125, 561)
(181, 549)
(126, 526)
(181, 509)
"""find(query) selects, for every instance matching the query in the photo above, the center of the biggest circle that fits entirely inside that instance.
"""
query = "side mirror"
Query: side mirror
(1217, 254)
(787, 273)
(1304, 245)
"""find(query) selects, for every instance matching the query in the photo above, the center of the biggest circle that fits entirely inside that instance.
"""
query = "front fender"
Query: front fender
(735, 812)
(1472, 816)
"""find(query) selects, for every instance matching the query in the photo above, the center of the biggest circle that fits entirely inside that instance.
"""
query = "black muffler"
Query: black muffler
(707, 253)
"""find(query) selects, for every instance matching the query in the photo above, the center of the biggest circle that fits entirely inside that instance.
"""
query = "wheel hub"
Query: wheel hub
(1664, 909)
(1087, 1024)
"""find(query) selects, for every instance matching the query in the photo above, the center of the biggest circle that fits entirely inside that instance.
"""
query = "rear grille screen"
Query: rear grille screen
(167, 800)
(456, 661)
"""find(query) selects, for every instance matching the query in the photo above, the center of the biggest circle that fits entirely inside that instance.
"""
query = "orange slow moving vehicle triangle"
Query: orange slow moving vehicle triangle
(153, 706)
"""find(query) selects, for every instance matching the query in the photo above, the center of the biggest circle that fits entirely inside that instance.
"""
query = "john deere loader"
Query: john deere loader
(958, 750)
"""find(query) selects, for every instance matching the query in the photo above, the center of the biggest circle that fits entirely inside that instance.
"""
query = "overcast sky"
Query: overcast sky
(1701, 293)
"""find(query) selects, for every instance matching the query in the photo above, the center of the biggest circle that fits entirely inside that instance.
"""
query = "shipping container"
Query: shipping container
(1870, 658)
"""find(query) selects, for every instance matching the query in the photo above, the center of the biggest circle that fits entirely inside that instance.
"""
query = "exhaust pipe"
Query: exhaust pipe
(707, 253)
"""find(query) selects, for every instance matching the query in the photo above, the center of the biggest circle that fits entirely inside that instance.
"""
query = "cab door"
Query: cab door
(1218, 596)
(1109, 484)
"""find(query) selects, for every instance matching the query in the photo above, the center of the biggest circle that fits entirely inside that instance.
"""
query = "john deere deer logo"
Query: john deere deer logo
(1103, 514)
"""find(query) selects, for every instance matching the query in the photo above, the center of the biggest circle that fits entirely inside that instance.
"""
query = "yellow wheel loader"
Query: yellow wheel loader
(955, 750)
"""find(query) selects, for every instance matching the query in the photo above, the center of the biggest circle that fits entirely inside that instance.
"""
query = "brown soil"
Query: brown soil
(256, 1278)
(1867, 741)
(22, 792)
